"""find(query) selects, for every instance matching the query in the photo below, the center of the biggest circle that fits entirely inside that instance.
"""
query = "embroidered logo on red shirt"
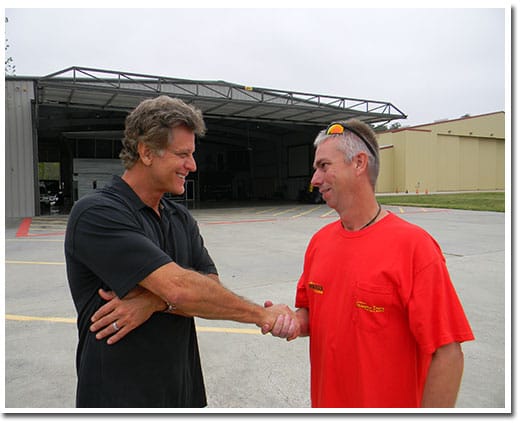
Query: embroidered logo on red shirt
(372, 308)
(318, 289)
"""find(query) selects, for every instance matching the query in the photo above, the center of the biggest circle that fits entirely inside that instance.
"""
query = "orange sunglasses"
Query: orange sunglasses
(339, 128)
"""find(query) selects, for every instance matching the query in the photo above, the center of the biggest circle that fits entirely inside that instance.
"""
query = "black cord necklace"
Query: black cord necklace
(373, 219)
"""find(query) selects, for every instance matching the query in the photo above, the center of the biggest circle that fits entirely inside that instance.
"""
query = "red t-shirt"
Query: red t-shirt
(380, 303)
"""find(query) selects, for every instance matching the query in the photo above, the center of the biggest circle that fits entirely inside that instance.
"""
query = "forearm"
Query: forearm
(198, 295)
(170, 308)
(444, 376)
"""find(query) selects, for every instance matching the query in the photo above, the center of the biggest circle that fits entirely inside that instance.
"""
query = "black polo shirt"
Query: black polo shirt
(113, 241)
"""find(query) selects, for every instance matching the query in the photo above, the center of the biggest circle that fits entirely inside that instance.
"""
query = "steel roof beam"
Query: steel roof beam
(214, 96)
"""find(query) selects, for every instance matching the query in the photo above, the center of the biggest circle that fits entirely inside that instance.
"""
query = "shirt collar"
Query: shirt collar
(125, 190)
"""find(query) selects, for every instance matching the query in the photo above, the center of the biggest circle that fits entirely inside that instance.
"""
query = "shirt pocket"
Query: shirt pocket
(372, 305)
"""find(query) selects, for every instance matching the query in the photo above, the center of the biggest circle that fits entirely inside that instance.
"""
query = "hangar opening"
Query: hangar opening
(258, 144)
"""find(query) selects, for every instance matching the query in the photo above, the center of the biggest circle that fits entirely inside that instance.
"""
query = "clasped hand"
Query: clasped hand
(286, 324)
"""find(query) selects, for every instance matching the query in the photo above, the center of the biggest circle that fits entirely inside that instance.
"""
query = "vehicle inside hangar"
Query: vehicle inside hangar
(258, 144)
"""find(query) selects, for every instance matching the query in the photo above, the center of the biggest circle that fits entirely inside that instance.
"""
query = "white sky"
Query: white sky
(430, 63)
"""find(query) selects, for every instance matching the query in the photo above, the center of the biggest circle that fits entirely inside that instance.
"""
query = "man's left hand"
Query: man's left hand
(118, 317)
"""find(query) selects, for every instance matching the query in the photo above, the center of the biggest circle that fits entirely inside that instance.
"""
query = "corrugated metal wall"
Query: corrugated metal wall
(19, 150)
(459, 155)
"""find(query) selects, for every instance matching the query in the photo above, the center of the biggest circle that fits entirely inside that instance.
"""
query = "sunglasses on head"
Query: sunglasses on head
(340, 128)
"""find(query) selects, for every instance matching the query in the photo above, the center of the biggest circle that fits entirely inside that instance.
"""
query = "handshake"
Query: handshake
(282, 322)
(118, 317)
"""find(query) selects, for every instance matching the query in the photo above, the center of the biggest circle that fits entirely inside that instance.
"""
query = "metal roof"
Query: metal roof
(78, 87)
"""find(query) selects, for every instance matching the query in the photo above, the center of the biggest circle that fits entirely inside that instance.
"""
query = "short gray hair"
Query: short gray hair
(351, 144)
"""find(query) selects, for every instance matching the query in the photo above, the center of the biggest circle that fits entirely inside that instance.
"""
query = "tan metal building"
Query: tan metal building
(466, 154)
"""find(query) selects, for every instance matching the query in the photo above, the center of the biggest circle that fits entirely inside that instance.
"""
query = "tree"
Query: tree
(10, 67)
(379, 128)
(383, 127)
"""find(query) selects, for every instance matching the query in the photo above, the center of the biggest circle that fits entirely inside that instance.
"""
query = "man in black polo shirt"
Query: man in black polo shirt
(138, 272)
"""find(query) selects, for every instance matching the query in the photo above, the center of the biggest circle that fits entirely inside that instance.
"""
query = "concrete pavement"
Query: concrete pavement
(259, 253)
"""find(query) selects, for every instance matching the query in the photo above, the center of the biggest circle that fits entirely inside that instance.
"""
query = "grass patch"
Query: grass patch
(482, 201)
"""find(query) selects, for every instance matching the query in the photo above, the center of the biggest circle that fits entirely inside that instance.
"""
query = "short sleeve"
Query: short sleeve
(302, 299)
(435, 312)
(202, 261)
(114, 247)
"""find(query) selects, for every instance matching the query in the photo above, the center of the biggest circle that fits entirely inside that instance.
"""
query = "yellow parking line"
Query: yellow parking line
(31, 239)
(286, 211)
(52, 263)
(306, 212)
(401, 210)
(328, 213)
(40, 225)
(21, 318)
(267, 211)
(39, 319)
(228, 330)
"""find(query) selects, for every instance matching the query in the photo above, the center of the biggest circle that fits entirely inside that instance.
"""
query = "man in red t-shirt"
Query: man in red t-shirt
(375, 296)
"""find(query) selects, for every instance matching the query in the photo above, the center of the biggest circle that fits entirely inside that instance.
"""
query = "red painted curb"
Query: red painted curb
(23, 229)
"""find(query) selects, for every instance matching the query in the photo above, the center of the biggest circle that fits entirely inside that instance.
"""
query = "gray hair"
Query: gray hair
(151, 123)
(351, 144)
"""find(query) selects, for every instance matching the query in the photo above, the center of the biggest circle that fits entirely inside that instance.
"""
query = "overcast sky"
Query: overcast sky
(431, 64)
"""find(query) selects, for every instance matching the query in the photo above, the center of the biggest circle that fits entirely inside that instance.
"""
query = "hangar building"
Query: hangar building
(65, 129)
(466, 154)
